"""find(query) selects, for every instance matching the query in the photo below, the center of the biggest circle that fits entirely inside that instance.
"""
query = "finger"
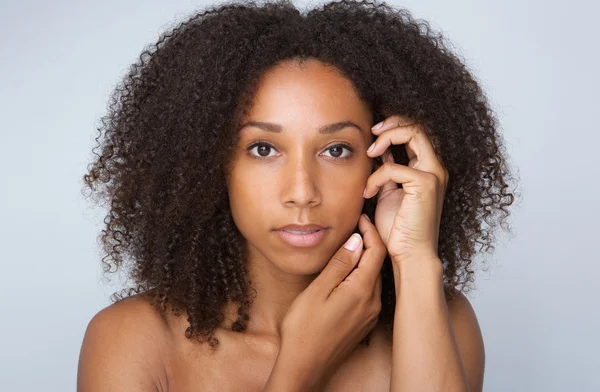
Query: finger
(400, 174)
(390, 185)
(374, 246)
(390, 122)
(419, 147)
(372, 257)
(370, 235)
(340, 265)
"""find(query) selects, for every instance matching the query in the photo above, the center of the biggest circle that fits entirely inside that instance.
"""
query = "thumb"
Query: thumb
(340, 265)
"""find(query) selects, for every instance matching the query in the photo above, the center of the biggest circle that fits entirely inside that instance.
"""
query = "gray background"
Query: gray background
(538, 62)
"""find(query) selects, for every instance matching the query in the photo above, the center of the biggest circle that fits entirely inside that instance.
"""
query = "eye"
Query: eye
(338, 151)
(262, 148)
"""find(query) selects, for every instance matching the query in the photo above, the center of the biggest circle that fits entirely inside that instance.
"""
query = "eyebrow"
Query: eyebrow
(325, 129)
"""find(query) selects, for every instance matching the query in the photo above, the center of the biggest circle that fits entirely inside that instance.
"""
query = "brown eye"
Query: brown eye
(263, 149)
(338, 150)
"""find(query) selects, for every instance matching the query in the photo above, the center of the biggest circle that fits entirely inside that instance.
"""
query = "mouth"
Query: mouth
(300, 232)
(302, 239)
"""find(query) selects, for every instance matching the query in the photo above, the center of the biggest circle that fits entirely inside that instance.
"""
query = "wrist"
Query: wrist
(425, 271)
(289, 374)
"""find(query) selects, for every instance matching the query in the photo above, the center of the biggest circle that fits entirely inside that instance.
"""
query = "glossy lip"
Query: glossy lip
(302, 240)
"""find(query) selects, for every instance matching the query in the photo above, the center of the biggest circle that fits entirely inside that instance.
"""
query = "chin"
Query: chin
(301, 264)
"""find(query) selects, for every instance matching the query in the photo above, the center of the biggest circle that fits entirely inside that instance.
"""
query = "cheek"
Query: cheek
(247, 199)
(345, 195)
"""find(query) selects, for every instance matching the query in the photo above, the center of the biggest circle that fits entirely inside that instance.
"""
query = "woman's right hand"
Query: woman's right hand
(338, 309)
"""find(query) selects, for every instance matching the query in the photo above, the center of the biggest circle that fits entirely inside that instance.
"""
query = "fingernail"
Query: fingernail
(371, 147)
(353, 242)
(366, 216)
(377, 126)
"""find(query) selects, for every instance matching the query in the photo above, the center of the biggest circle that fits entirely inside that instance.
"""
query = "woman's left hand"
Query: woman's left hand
(407, 218)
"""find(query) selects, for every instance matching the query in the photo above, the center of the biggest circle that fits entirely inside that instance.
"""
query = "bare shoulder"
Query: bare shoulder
(123, 348)
(469, 340)
(465, 324)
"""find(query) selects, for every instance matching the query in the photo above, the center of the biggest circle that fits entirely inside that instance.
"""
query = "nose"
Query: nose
(300, 183)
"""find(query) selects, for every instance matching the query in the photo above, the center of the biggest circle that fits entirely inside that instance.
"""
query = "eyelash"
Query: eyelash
(251, 147)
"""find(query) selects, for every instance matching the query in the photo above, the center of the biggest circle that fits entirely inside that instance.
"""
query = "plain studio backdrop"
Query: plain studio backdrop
(538, 62)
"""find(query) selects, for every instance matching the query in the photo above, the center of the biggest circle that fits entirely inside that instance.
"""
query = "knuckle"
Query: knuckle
(415, 131)
(403, 121)
(360, 295)
(355, 293)
(394, 117)
(430, 180)
(418, 194)
(387, 166)
(341, 261)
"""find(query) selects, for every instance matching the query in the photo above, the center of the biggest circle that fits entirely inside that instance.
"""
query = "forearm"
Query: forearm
(425, 353)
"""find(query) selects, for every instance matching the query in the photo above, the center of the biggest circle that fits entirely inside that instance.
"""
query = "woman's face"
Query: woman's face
(286, 171)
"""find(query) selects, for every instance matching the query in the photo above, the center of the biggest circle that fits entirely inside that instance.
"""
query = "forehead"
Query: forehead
(311, 96)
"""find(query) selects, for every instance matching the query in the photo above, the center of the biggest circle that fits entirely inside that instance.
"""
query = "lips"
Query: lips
(302, 235)
(301, 239)
(301, 229)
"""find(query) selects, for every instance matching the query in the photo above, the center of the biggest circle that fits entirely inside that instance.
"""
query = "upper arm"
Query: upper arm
(469, 340)
(122, 350)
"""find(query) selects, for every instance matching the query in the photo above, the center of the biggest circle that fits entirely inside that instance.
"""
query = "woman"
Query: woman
(234, 157)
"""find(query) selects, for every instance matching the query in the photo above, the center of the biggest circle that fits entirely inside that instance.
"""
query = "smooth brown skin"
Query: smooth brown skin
(129, 346)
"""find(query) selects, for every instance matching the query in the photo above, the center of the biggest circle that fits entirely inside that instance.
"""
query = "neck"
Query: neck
(275, 288)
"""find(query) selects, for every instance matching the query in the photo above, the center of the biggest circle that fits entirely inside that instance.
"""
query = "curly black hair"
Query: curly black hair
(162, 166)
